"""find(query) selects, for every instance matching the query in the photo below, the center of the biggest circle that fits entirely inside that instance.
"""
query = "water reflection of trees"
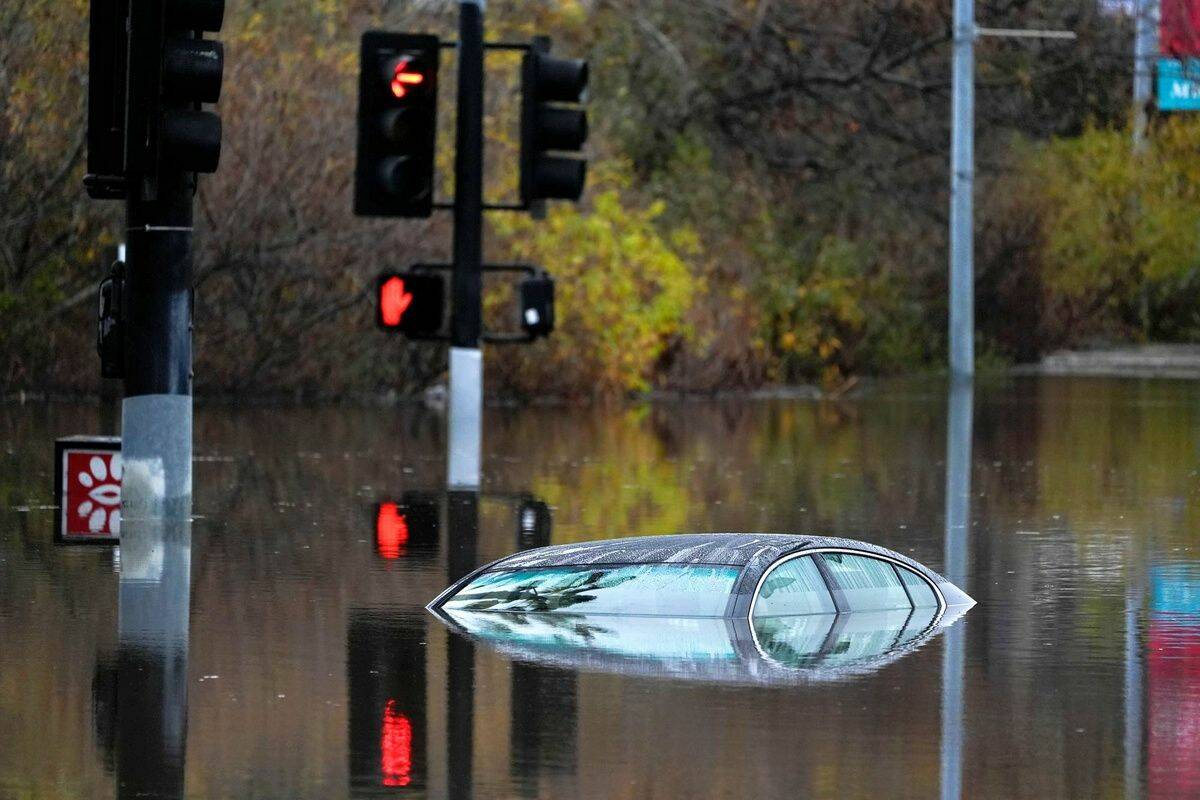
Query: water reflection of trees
(284, 496)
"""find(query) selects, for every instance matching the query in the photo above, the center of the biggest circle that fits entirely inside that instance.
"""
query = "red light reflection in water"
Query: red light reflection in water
(395, 747)
(391, 531)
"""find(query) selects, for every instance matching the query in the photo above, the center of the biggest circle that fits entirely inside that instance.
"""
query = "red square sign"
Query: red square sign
(89, 495)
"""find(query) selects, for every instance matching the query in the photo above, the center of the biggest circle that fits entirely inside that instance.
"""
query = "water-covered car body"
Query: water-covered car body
(733, 575)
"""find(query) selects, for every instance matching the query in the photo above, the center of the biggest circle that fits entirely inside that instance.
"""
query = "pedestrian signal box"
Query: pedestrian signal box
(411, 303)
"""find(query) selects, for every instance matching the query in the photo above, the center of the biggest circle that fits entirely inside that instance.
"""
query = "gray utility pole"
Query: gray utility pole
(1145, 49)
(962, 179)
(962, 191)
(466, 359)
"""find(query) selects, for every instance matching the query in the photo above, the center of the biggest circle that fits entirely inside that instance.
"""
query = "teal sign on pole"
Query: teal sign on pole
(1179, 84)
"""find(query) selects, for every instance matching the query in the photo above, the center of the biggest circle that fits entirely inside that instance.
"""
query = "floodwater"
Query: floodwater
(280, 648)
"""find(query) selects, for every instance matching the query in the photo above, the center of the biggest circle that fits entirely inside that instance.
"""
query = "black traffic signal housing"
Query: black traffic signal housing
(537, 305)
(107, 50)
(397, 125)
(412, 303)
(553, 125)
(172, 69)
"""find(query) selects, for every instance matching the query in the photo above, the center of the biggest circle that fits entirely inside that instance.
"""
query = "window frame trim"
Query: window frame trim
(832, 586)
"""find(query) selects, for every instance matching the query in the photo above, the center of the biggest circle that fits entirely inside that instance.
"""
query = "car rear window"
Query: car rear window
(657, 589)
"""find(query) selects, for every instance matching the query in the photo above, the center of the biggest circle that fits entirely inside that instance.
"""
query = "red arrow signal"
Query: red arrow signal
(402, 78)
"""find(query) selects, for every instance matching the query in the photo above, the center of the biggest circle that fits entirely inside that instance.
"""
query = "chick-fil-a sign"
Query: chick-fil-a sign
(88, 489)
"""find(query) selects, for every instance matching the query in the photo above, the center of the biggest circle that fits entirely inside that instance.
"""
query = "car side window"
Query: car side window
(868, 584)
(922, 596)
(794, 587)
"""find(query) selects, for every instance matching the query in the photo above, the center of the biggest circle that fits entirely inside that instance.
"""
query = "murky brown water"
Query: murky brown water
(284, 651)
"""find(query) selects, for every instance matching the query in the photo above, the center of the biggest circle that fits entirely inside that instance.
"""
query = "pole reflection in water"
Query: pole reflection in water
(1134, 594)
(152, 656)
(543, 732)
(462, 534)
(958, 522)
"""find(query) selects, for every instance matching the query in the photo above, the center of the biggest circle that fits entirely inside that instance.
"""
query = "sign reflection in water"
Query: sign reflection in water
(1173, 682)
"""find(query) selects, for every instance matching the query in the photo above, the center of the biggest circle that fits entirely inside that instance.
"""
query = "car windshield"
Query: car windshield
(657, 589)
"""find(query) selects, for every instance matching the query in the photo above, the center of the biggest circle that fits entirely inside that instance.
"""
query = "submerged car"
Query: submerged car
(724, 608)
(736, 575)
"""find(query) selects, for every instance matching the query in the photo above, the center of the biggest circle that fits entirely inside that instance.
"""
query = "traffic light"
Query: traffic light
(411, 303)
(107, 46)
(553, 126)
(537, 305)
(397, 120)
(172, 69)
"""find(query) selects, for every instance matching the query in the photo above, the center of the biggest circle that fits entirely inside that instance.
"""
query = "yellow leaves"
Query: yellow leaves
(623, 291)
(1111, 219)
(821, 311)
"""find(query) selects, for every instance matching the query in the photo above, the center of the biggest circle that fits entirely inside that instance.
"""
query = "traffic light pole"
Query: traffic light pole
(156, 414)
(466, 359)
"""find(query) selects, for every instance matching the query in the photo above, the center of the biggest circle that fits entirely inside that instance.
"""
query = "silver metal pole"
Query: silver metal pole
(1145, 48)
(962, 180)
(466, 417)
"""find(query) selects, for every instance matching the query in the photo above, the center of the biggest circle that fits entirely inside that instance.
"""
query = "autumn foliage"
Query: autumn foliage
(766, 202)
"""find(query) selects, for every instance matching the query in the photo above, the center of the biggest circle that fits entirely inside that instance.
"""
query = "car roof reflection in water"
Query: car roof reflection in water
(765, 650)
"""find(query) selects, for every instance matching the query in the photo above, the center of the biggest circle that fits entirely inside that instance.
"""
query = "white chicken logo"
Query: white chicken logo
(103, 482)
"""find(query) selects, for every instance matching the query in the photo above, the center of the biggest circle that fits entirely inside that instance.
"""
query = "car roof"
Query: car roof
(751, 553)
(728, 549)
(757, 551)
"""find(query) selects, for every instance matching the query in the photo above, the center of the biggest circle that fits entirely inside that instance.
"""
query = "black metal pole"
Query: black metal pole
(467, 283)
(158, 288)
(156, 414)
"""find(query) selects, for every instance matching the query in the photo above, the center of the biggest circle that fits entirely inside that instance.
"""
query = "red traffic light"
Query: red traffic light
(403, 76)
(394, 300)
(411, 303)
